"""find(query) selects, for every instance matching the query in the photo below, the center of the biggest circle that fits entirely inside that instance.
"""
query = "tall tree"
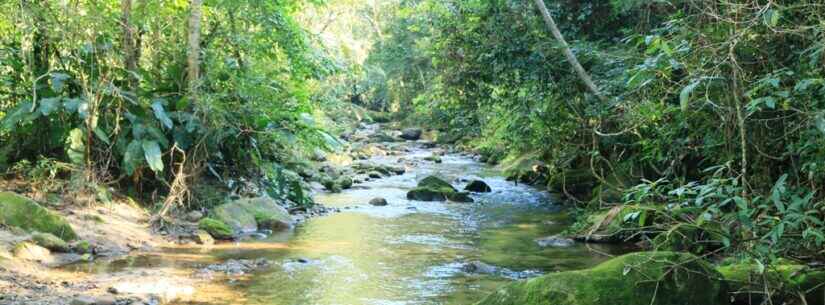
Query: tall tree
(129, 48)
(583, 75)
(193, 59)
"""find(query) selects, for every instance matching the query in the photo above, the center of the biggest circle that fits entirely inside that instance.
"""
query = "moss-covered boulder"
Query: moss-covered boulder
(51, 242)
(433, 188)
(331, 185)
(250, 214)
(435, 183)
(459, 197)
(748, 283)
(345, 182)
(662, 278)
(24, 213)
(218, 229)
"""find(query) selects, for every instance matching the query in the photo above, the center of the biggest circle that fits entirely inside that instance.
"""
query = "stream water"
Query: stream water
(404, 253)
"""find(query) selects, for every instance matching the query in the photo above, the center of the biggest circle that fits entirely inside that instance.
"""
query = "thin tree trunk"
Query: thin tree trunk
(129, 48)
(567, 52)
(193, 59)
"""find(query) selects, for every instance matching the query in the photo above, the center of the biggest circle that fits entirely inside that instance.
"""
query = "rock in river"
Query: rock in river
(379, 202)
(251, 214)
(554, 241)
(478, 186)
(411, 134)
(435, 189)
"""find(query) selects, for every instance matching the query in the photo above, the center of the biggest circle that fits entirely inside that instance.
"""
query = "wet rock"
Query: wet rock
(345, 182)
(234, 267)
(433, 158)
(462, 197)
(374, 175)
(194, 216)
(411, 134)
(331, 185)
(51, 242)
(425, 194)
(433, 188)
(555, 241)
(478, 186)
(479, 268)
(204, 238)
(379, 202)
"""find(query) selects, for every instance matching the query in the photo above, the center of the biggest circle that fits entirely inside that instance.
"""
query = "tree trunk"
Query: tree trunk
(129, 48)
(193, 59)
(567, 52)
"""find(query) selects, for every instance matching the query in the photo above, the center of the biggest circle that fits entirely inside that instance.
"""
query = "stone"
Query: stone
(433, 188)
(643, 278)
(24, 213)
(433, 158)
(554, 241)
(194, 216)
(51, 242)
(202, 237)
(32, 252)
(478, 186)
(374, 175)
(479, 268)
(86, 300)
(462, 197)
(425, 194)
(746, 282)
(411, 134)
(218, 229)
(378, 201)
(244, 215)
(345, 182)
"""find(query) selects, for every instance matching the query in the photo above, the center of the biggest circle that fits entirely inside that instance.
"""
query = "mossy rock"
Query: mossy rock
(428, 194)
(435, 183)
(478, 186)
(789, 282)
(218, 229)
(459, 197)
(243, 215)
(345, 182)
(51, 242)
(662, 278)
(331, 185)
(24, 213)
(435, 159)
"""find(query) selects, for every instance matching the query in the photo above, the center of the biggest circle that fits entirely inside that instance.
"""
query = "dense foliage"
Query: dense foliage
(99, 90)
(713, 109)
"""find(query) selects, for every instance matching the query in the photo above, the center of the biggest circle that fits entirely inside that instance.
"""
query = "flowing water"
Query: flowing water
(404, 253)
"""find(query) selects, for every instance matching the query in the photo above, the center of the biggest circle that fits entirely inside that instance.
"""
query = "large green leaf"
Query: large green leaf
(133, 157)
(160, 114)
(154, 157)
(684, 96)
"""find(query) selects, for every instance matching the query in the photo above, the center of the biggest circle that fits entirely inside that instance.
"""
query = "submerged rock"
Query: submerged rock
(411, 134)
(24, 213)
(379, 202)
(478, 186)
(459, 197)
(479, 267)
(662, 278)
(554, 241)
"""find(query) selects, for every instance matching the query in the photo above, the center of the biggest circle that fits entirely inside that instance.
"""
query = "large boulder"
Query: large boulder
(662, 278)
(478, 186)
(24, 213)
(51, 242)
(251, 214)
(411, 134)
(379, 202)
(435, 189)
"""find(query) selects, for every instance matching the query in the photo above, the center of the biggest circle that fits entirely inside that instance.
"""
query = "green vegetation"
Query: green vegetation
(51, 242)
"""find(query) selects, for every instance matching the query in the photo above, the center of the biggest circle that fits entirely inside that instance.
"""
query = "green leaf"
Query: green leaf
(59, 81)
(684, 96)
(49, 105)
(133, 157)
(101, 135)
(160, 114)
(154, 157)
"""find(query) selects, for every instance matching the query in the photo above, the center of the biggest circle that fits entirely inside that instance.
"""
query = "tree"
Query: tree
(567, 52)
(193, 59)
